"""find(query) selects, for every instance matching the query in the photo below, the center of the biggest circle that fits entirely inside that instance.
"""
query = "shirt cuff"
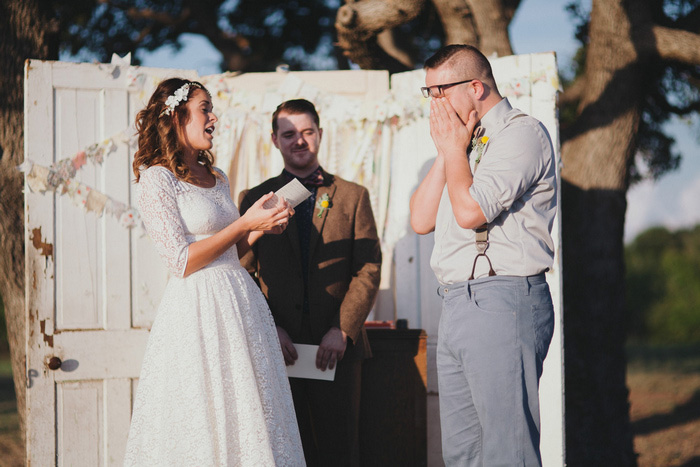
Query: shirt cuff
(487, 201)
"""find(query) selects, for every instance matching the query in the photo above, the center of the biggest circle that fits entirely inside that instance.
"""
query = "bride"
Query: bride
(213, 388)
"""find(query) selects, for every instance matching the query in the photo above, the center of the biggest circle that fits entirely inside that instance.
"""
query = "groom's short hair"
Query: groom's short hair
(295, 107)
(466, 60)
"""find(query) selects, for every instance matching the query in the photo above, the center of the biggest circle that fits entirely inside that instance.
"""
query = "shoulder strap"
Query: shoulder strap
(481, 238)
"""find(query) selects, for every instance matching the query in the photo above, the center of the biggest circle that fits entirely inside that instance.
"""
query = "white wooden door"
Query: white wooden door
(88, 305)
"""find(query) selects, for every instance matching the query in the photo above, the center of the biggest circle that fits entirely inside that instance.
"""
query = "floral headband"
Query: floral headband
(177, 98)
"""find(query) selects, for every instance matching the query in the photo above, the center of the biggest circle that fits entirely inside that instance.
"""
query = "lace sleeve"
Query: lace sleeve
(157, 203)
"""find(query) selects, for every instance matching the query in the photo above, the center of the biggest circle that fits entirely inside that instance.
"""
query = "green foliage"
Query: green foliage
(663, 286)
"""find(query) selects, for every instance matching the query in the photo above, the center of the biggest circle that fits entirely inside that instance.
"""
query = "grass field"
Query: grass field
(664, 385)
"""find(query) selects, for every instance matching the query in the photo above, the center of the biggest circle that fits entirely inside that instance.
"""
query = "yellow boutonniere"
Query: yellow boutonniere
(478, 145)
(323, 204)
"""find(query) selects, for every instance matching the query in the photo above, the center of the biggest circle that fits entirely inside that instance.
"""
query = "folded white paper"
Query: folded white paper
(294, 192)
(305, 365)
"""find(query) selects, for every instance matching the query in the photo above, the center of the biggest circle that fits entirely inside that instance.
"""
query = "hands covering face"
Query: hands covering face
(450, 134)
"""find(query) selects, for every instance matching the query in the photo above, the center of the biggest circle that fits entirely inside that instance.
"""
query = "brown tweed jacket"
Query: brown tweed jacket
(344, 264)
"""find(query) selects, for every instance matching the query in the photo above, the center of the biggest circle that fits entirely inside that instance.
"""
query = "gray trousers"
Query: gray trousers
(493, 337)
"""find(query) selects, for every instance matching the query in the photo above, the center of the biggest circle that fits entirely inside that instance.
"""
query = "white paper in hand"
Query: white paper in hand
(294, 192)
(305, 365)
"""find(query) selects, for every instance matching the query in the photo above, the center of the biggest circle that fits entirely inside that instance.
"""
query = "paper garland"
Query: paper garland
(67, 168)
(59, 178)
(38, 179)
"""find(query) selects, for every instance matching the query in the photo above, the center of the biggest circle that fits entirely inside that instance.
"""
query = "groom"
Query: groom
(320, 278)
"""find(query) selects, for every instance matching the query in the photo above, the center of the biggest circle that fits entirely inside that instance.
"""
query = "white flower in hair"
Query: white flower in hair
(182, 92)
(171, 103)
(177, 98)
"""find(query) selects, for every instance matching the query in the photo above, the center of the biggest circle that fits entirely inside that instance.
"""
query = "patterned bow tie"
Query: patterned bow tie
(313, 179)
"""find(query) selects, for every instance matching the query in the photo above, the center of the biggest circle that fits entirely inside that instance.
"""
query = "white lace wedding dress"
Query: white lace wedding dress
(213, 388)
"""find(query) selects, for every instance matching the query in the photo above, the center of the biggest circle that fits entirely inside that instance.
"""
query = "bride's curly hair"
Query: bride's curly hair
(158, 132)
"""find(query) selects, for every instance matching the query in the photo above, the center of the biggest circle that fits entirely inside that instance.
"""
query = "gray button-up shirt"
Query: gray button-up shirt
(515, 186)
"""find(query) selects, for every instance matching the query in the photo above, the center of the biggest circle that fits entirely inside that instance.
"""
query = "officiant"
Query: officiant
(320, 278)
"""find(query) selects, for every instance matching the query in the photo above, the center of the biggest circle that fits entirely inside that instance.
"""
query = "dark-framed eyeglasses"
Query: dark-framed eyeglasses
(439, 89)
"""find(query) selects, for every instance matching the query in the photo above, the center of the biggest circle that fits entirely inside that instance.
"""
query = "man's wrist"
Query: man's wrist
(342, 333)
(456, 154)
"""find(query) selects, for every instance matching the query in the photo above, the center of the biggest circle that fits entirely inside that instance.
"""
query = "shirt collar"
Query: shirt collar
(496, 115)
(315, 178)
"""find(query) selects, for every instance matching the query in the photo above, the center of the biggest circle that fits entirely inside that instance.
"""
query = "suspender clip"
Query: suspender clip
(482, 243)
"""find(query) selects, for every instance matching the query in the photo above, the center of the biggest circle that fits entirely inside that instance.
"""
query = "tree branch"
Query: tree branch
(359, 23)
(386, 41)
(367, 18)
(509, 8)
(573, 93)
(676, 45)
(159, 17)
(368, 55)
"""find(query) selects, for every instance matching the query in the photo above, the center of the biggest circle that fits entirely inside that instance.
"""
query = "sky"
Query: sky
(540, 26)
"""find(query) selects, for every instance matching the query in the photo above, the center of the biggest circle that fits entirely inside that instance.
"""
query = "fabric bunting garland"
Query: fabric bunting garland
(41, 179)
(59, 178)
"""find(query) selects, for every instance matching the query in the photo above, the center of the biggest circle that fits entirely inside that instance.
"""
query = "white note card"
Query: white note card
(294, 192)
(305, 365)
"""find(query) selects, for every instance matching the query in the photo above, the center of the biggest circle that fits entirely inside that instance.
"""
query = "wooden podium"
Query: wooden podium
(393, 427)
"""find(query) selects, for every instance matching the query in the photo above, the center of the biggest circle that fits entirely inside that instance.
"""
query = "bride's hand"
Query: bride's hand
(273, 219)
(278, 229)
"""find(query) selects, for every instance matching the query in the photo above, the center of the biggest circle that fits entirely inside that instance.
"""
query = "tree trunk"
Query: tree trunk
(481, 23)
(596, 154)
(491, 27)
(458, 21)
(26, 32)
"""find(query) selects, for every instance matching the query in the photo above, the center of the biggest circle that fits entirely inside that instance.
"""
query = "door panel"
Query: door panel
(87, 305)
